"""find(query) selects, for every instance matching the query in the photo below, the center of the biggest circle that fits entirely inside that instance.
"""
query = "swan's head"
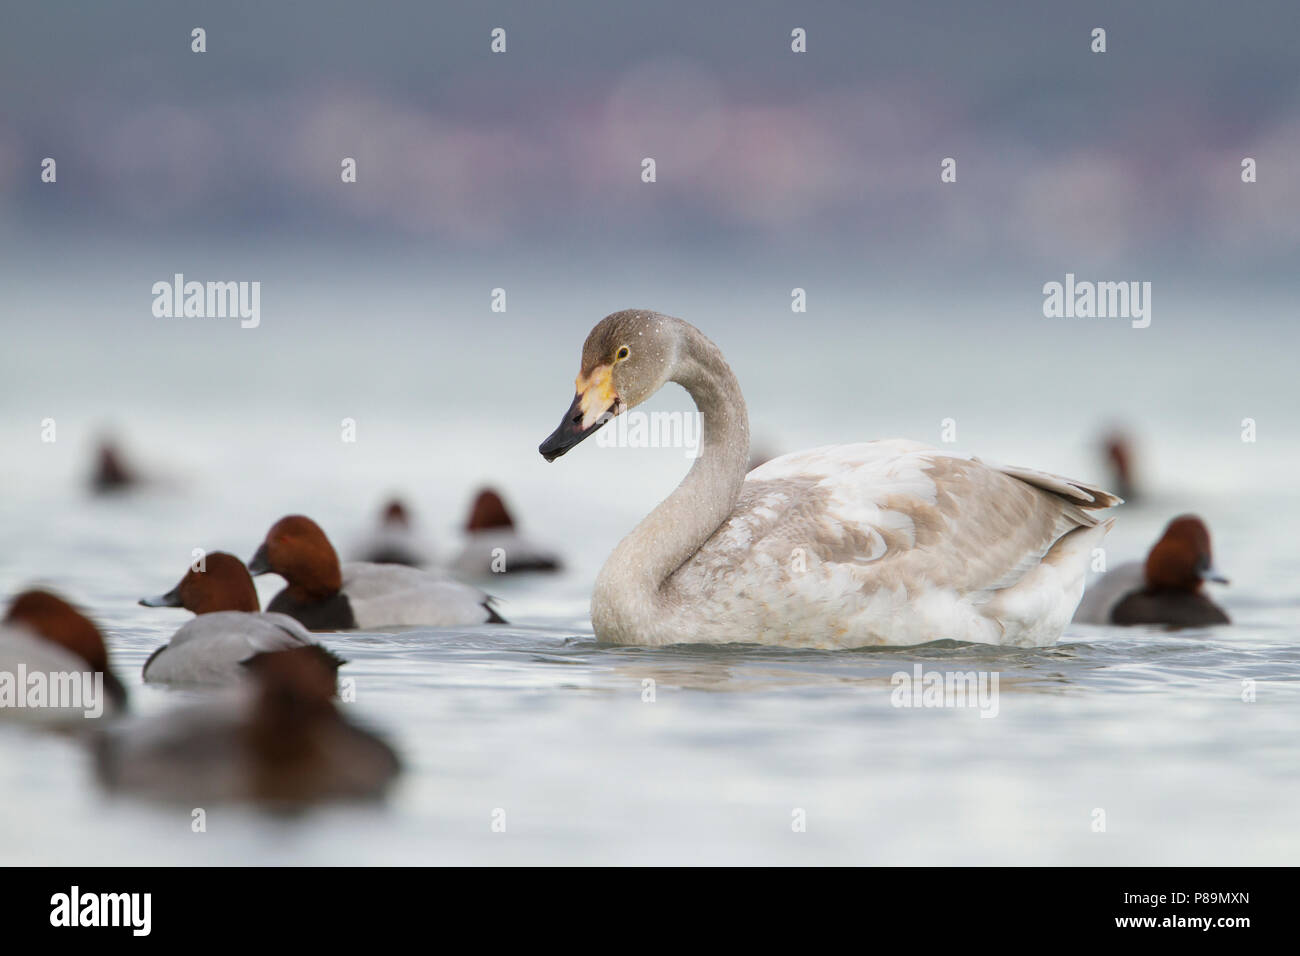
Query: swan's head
(627, 358)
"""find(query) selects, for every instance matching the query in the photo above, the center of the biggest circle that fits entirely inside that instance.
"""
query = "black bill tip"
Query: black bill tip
(570, 432)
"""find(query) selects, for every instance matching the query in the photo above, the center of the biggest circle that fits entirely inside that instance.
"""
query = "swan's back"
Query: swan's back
(891, 542)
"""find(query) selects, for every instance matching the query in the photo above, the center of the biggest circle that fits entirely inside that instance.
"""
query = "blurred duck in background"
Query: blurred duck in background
(46, 640)
(494, 546)
(394, 541)
(229, 630)
(280, 742)
(1168, 588)
(326, 596)
(1117, 448)
(111, 472)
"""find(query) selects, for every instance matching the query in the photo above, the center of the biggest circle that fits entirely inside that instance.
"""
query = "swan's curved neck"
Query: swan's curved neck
(628, 600)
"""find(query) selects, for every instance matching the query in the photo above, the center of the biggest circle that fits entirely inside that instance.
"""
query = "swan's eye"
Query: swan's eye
(621, 354)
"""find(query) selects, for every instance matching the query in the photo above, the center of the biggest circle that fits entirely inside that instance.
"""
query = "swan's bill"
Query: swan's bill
(595, 402)
(596, 394)
(572, 430)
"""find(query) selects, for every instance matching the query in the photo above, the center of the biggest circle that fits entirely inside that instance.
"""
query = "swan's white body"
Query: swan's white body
(394, 595)
(211, 648)
(886, 542)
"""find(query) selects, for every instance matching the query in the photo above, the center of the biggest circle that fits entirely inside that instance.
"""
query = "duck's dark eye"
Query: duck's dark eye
(622, 353)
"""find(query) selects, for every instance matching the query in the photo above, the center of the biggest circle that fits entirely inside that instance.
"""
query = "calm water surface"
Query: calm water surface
(538, 719)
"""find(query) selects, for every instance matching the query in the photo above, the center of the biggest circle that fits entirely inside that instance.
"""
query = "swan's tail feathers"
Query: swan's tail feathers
(1073, 552)
(1036, 609)
(1085, 496)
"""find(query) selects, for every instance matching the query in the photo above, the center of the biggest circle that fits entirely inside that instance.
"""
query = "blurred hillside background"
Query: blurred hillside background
(521, 171)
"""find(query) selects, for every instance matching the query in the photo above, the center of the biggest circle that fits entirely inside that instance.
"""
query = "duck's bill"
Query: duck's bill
(171, 599)
(573, 429)
(260, 564)
(1214, 574)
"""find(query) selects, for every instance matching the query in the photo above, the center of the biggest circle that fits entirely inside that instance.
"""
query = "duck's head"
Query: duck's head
(489, 513)
(295, 695)
(395, 514)
(111, 471)
(627, 357)
(301, 748)
(50, 617)
(1119, 453)
(1117, 446)
(302, 679)
(220, 583)
(297, 549)
(1181, 560)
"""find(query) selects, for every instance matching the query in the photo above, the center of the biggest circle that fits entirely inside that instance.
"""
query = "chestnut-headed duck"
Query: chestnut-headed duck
(44, 634)
(1168, 588)
(279, 742)
(394, 541)
(327, 596)
(493, 546)
(228, 631)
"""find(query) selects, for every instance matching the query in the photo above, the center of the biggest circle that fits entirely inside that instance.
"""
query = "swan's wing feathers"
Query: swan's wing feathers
(1085, 496)
(896, 515)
